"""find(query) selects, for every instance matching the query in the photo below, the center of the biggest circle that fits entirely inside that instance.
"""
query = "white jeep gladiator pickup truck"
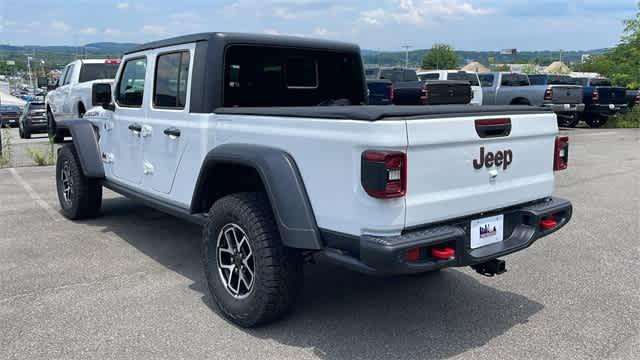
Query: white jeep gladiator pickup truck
(70, 97)
(268, 143)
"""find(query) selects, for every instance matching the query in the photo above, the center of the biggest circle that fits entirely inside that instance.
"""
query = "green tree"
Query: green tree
(620, 64)
(441, 56)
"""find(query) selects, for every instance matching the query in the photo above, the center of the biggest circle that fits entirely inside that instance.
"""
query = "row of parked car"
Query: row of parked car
(592, 100)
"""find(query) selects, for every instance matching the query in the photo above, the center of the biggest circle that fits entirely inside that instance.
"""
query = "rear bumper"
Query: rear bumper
(387, 255)
(606, 109)
(565, 108)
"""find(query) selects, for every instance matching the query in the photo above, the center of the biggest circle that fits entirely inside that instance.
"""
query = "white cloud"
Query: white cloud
(112, 32)
(59, 26)
(373, 17)
(320, 31)
(276, 32)
(89, 31)
(122, 5)
(155, 30)
(422, 12)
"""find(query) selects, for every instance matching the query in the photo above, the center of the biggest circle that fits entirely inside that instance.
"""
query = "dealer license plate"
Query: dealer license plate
(487, 231)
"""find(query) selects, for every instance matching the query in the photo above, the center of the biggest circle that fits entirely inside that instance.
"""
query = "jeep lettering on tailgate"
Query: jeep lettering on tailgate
(500, 158)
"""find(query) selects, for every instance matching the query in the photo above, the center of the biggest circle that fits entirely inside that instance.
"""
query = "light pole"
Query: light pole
(29, 58)
(406, 55)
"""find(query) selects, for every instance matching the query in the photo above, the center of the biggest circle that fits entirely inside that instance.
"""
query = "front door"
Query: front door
(128, 120)
(167, 129)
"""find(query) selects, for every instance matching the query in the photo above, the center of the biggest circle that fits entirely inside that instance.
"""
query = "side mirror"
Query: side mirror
(101, 95)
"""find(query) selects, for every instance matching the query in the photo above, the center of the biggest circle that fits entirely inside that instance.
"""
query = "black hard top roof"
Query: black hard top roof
(226, 38)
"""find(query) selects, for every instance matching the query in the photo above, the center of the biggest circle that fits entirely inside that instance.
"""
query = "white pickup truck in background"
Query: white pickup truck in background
(471, 77)
(71, 96)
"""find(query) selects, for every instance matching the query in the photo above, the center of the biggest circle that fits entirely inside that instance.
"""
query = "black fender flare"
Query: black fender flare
(283, 184)
(85, 141)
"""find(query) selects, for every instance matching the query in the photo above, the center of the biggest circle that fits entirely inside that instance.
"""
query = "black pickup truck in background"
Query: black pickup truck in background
(380, 92)
(601, 100)
(409, 90)
(633, 98)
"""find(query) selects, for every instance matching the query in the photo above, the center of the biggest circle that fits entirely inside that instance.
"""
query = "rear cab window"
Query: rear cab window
(600, 82)
(431, 76)
(514, 80)
(93, 71)
(538, 79)
(464, 76)
(130, 89)
(560, 80)
(262, 76)
(371, 73)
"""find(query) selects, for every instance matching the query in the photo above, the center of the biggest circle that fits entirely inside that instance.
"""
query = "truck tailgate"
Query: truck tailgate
(443, 181)
(612, 95)
(566, 94)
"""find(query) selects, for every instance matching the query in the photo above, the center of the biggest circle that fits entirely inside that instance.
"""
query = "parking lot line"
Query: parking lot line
(53, 214)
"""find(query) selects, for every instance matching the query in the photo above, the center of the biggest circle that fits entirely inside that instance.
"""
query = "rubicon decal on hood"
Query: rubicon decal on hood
(499, 158)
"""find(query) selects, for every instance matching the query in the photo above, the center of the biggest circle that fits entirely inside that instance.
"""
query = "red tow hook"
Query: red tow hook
(548, 224)
(443, 254)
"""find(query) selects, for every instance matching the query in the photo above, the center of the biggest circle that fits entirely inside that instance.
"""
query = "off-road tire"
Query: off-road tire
(278, 269)
(25, 132)
(596, 121)
(85, 199)
(52, 129)
(568, 121)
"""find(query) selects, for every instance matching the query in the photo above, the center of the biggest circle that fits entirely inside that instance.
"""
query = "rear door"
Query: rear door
(167, 129)
(456, 169)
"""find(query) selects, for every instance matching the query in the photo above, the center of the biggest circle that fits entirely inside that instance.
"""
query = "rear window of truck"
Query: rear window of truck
(560, 80)
(463, 76)
(371, 74)
(262, 76)
(600, 82)
(515, 80)
(89, 72)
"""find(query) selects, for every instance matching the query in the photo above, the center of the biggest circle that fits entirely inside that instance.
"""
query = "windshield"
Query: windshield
(464, 76)
(90, 72)
(560, 80)
(9, 108)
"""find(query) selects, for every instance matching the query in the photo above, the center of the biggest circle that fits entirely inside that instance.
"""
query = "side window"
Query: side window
(130, 89)
(62, 76)
(486, 80)
(537, 79)
(172, 75)
(68, 74)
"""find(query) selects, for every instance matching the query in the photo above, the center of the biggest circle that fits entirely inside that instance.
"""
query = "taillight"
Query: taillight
(561, 157)
(384, 174)
(596, 95)
(391, 90)
(425, 93)
(548, 94)
(112, 61)
(637, 100)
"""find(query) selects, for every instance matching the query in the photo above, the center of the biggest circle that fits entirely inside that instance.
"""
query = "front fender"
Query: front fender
(283, 184)
(86, 144)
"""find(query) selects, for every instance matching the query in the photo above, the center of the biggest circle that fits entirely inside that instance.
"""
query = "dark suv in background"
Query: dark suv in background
(9, 115)
(33, 120)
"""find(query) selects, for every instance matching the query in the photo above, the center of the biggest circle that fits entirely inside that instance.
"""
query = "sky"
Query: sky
(373, 24)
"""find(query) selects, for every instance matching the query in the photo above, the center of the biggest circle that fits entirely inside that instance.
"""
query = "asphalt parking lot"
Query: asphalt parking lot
(129, 284)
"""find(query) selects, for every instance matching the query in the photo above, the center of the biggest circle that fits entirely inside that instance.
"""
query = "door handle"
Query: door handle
(135, 127)
(172, 131)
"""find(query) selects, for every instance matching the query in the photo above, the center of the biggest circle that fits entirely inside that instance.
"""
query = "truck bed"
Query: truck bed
(381, 112)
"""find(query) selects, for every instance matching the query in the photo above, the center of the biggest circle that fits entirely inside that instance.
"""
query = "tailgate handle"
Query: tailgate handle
(492, 128)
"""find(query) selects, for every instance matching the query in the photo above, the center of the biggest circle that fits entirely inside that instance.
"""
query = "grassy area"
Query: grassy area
(630, 119)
